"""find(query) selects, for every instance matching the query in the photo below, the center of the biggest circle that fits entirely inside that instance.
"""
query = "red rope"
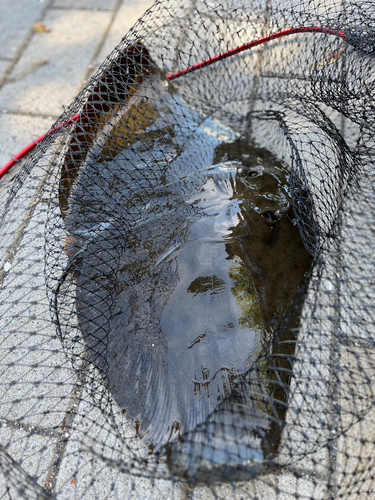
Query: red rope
(255, 43)
(173, 76)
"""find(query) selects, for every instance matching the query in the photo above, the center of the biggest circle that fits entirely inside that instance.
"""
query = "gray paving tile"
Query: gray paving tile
(355, 295)
(51, 70)
(87, 475)
(290, 487)
(18, 211)
(20, 208)
(33, 452)
(351, 133)
(15, 23)
(36, 379)
(86, 4)
(307, 432)
(82, 477)
(17, 132)
(15, 482)
(355, 448)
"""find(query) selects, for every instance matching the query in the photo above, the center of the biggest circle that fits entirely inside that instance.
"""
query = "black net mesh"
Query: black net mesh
(187, 280)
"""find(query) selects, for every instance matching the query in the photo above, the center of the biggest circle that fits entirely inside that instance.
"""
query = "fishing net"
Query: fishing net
(187, 280)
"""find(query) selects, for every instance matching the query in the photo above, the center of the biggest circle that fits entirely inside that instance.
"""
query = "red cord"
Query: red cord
(250, 45)
(195, 67)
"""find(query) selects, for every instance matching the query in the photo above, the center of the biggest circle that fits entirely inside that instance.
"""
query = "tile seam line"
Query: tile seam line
(101, 43)
(29, 114)
(24, 44)
(31, 429)
(77, 9)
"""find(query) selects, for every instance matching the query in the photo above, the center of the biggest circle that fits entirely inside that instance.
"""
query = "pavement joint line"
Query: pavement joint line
(291, 77)
(259, 62)
(101, 43)
(30, 428)
(76, 9)
(302, 472)
(21, 75)
(29, 114)
(24, 44)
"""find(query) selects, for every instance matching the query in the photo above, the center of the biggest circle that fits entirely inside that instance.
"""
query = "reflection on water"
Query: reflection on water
(190, 260)
(202, 286)
(210, 284)
(246, 296)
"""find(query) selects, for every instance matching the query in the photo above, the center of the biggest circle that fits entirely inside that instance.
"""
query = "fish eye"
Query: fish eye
(270, 216)
(253, 173)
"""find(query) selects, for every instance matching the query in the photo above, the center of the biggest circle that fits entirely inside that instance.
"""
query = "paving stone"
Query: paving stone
(15, 482)
(351, 132)
(305, 438)
(356, 297)
(33, 452)
(87, 475)
(86, 4)
(16, 23)
(36, 379)
(17, 199)
(82, 477)
(51, 70)
(17, 132)
(355, 447)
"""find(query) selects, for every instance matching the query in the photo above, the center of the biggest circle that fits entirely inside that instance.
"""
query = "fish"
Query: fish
(189, 260)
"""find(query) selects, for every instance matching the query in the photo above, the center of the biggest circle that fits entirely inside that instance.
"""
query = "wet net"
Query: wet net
(187, 280)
